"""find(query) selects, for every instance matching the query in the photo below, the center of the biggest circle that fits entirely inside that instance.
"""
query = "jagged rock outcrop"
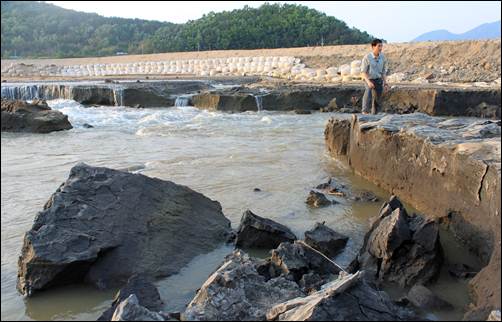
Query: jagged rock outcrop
(237, 292)
(102, 226)
(130, 310)
(37, 117)
(140, 286)
(348, 298)
(258, 232)
(400, 248)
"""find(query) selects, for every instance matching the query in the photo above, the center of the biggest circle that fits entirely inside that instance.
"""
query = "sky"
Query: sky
(392, 21)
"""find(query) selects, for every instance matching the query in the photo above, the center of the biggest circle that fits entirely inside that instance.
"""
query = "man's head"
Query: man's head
(376, 46)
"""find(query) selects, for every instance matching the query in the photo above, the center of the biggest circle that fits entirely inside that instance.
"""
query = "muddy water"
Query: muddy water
(224, 156)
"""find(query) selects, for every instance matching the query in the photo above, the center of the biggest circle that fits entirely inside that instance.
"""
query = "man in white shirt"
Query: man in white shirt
(374, 71)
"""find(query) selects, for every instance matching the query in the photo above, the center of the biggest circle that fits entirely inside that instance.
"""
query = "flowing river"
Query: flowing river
(224, 156)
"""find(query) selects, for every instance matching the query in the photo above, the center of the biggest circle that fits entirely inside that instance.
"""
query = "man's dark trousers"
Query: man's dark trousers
(372, 97)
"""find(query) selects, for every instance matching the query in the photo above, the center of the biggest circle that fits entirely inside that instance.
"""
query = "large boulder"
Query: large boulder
(238, 292)
(401, 248)
(131, 310)
(146, 293)
(348, 298)
(102, 226)
(258, 232)
(37, 117)
(325, 240)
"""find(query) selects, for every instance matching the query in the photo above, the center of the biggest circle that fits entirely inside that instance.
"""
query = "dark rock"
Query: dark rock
(138, 106)
(300, 111)
(325, 240)
(331, 107)
(333, 188)
(310, 282)
(104, 225)
(267, 269)
(87, 126)
(348, 298)
(172, 316)
(258, 232)
(237, 292)
(256, 189)
(462, 271)
(337, 135)
(131, 310)
(401, 248)
(20, 116)
(143, 289)
(365, 196)
(317, 199)
(422, 298)
(89, 94)
(297, 259)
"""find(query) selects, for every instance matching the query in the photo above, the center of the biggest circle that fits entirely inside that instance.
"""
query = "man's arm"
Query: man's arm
(384, 74)
(365, 68)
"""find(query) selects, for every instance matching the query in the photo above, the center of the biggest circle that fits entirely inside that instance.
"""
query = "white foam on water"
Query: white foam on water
(266, 119)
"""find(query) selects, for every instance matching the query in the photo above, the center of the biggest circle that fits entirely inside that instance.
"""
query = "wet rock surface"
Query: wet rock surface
(325, 240)
(258, 232)
(348, 298)
(400, 248)
(302, 98)
(36, 117)
(445, 168)
(236, 291)
(102, 226)
(146, 293)
(132, 94)
(316, 200)
(130, 310)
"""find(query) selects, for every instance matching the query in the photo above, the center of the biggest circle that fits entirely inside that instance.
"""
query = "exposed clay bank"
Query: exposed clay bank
(446, 168)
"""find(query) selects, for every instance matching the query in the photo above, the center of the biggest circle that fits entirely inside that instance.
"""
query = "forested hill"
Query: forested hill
(33, 29)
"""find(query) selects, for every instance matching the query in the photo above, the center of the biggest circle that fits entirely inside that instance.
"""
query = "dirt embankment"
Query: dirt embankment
(445, 61)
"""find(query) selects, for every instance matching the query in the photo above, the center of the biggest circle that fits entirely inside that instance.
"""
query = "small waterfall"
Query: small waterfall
(118, 96)
(259, 102)
(23, 92)
(182, 101)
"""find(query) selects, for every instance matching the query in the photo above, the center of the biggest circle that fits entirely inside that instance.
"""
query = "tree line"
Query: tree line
(33, 29)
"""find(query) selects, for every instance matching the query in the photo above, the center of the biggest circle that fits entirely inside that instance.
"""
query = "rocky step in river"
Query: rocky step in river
(430, 99)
